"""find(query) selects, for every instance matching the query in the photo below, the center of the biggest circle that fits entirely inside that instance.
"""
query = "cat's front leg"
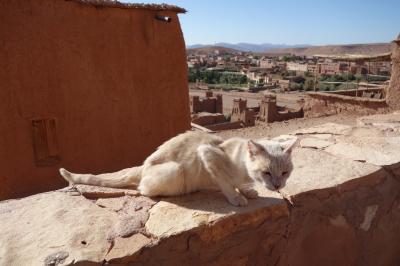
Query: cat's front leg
(249, 193)
(217, 164)
(237, 200)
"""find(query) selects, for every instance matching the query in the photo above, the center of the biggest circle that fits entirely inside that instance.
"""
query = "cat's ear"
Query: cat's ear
(254, 148)
(289, 145)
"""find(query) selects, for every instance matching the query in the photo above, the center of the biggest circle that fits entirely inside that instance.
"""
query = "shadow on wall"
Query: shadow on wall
(213, 201)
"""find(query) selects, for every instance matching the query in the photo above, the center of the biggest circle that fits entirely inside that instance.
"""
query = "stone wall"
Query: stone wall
(394, 87)
(340, 206)
(93, 86)
(321, 104)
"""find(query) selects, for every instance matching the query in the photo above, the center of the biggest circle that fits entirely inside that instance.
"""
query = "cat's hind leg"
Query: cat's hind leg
(123, 178)
(166, 179)
(217, 164)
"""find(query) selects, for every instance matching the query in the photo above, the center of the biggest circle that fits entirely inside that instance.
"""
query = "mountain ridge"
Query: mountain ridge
(364, 48)
(248, 47)
(303, 50)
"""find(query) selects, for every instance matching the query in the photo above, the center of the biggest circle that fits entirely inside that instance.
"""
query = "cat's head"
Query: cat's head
(269, 162)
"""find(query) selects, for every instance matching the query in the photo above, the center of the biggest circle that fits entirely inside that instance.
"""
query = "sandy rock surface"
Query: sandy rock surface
(344, 188)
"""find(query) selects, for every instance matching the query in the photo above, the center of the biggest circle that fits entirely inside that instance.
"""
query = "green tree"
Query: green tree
(309, 85)
(298, 79)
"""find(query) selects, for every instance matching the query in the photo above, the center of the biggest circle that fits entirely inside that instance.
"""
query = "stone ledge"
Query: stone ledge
(341, 207)
(328, 95)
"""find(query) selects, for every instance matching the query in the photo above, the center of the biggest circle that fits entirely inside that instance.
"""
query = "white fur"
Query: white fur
(198, 161)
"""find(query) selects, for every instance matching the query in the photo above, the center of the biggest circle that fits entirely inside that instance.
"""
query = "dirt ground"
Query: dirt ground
(265, 130)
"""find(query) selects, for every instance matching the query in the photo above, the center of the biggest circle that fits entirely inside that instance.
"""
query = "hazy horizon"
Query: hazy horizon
(295, 44)
(289, 22)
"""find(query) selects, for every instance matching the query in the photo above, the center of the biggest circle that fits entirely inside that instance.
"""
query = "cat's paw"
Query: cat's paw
(250, 193)
(238, 200)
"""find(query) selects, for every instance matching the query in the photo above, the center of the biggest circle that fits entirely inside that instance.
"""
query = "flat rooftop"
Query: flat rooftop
(117, 4)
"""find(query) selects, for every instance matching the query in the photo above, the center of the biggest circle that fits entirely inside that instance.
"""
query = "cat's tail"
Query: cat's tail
(124, 178)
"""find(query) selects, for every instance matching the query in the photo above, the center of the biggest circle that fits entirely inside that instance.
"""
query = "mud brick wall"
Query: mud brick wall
(88, 86)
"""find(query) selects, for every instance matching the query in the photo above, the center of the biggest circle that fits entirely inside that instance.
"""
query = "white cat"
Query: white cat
(196, 161)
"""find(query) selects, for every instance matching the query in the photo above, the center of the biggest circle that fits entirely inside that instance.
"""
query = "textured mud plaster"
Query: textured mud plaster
(394, 85)
(369, 215)
(92, 86)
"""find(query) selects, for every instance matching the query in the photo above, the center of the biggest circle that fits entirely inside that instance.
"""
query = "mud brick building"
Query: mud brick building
(241, 113)
(393, 92)
(271, 112)
(79, 89)
(209, 103)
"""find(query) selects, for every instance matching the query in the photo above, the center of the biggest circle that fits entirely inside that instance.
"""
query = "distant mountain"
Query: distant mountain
(370, 48)
(248, 47)
(198, 50)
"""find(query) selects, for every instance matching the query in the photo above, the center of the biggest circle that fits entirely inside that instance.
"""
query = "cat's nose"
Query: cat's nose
(276, 186)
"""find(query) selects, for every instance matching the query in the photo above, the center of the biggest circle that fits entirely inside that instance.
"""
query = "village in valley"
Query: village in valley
(232, 89)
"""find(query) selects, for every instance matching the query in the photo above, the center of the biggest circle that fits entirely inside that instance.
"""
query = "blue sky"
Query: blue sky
(315, 22)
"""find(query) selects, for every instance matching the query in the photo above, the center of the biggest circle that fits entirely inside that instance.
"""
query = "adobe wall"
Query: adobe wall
(340, 206)
(270, 112)
(359, 92)
(208, 119)
(225, 126)
(287, 115)
(394, 85)
(238, 107)
(112, 81)
(320, 104)
(207, 104)
(248, 117)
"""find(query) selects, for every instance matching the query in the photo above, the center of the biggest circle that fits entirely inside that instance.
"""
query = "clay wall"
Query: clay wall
(359, 92)
(393, 98)
(209, 103)
(195, 105)
(321, 104)
(225, 126)
(239, 106)
(85, 87)
(270, 112)
(287, 115)
(218, 104)
(209, 94)
(248, 117)
(208, 119)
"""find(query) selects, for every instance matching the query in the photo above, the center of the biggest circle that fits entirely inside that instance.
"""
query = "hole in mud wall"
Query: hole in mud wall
(45, 143)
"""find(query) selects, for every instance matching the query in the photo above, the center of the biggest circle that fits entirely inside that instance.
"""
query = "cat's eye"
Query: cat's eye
(267, 173)
(284, 173)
